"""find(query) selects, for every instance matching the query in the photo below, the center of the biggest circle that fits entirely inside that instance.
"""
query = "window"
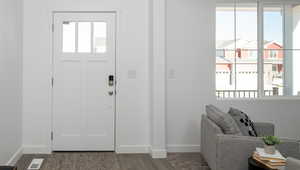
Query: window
(260, 58)
(84, 37)
(69, 33)
(273, 54)
(100, 33)
(237, 37)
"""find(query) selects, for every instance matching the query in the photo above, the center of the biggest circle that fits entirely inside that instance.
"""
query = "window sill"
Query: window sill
(261, 98)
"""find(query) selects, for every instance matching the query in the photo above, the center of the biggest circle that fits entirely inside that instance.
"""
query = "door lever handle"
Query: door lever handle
(111, 93)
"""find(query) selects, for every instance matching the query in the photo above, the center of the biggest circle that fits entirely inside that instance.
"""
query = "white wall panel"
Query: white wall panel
(10, 80)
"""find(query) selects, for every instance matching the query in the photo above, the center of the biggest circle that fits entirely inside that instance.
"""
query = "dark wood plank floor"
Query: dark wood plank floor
(112, 161)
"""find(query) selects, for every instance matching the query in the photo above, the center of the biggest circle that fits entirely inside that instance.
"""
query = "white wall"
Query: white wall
(190, 74)
(190, 70)
(10, 79)
(191, 63)
(132, 55)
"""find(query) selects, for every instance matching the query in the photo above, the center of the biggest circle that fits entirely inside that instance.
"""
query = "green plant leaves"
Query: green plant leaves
(271, 140)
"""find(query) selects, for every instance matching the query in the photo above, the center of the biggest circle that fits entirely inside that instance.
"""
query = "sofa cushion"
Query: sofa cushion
(292, 164)
(223, 120)
(244, 122)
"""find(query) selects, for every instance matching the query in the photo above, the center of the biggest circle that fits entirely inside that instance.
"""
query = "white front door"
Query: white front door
(84, 82)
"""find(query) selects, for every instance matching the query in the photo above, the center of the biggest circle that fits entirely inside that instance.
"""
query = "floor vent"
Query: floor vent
(35, 164)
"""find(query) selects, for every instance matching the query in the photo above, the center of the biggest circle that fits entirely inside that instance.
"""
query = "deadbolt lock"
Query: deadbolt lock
(111, 80)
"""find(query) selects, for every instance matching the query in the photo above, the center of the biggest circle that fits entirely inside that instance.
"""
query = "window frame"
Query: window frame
(92, 43)
(261, 4)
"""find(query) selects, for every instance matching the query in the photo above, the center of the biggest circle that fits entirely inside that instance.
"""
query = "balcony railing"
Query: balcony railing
(242, 93)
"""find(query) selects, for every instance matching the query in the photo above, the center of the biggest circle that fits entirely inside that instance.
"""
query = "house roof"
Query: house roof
(222, 60)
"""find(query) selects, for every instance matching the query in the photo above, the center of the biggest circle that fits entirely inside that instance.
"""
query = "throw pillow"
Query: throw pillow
(244, 122)
(223, 120)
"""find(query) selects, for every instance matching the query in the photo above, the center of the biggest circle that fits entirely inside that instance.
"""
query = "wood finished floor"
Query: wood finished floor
(112, 161)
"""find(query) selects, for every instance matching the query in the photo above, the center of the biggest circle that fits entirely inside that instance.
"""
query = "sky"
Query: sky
(247, 25)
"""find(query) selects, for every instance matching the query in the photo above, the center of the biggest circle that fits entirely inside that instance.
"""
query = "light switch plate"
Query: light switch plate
(171, 74)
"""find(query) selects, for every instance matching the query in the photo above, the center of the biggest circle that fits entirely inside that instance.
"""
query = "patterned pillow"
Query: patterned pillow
(244, 122)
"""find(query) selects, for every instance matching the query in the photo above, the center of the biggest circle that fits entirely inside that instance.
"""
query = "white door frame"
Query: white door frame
(116, 69)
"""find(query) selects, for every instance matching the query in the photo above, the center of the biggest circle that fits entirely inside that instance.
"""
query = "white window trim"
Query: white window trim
(260, 38)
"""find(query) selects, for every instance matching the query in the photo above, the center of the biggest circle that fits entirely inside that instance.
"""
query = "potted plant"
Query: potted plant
(270, 143)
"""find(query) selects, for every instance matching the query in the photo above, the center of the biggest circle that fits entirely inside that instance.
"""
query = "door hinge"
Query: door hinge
(52, 81)
(51, 135)
(52, 28)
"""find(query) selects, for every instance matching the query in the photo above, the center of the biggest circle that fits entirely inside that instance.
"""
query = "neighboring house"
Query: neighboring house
(243, 62)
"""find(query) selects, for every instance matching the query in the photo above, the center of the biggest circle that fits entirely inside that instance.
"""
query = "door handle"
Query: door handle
(111, 93)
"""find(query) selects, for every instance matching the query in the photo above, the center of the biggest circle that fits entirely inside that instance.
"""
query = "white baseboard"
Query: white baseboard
(183, 148)
(132, 149)
(42, 149)
(16, 156)
(36, 149)
(158, 153)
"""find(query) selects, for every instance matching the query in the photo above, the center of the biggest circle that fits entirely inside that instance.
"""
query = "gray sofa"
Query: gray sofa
(231, 152)
(292, 164)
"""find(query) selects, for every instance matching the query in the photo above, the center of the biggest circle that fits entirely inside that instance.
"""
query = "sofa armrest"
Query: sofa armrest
(289, 147)
(233, 151)
(209, 130)
(264, 129)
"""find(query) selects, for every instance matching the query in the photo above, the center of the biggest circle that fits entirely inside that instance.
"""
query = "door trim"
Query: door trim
(52, 27)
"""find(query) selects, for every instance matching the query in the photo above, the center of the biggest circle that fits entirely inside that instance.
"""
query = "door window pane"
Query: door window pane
(100, 37)
(69, 34)
(84, 37)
